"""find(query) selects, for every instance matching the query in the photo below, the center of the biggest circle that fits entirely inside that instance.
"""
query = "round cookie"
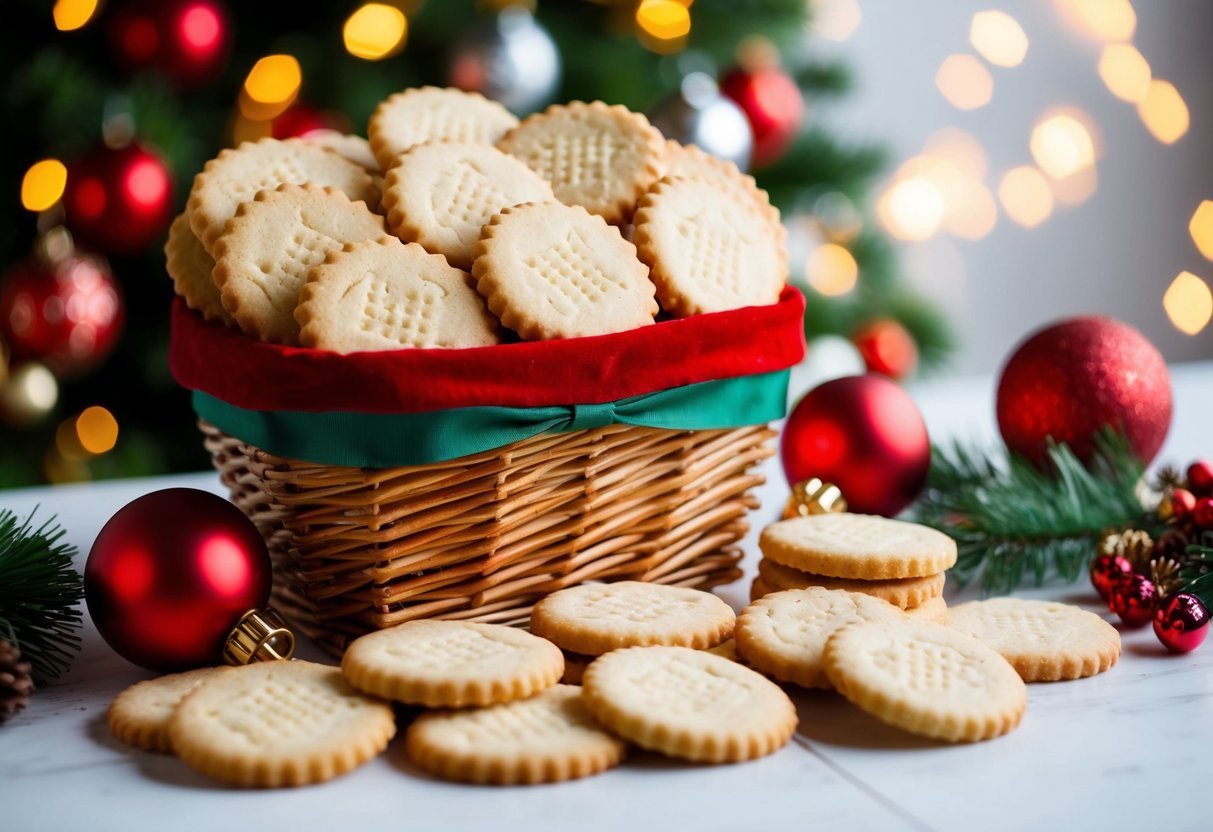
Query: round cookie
(858, 546)
(426, 114)
(236, 175)
(760, 589)
(688, 703)
(933, 609)
(553, 271)
(600, 157)
(593, 619)
(900, 592)
(190, 265)
(270, 246)
(385, 295)
(544, 739)
(274, 724)
(452, 664)
(708, 249)
(354, 148)
(927, 679)
(440, 194)
(1043, 640)
(784, 633)
(140, 715)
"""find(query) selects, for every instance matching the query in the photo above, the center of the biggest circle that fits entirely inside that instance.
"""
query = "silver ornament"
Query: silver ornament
(508, 57)
(698, 114)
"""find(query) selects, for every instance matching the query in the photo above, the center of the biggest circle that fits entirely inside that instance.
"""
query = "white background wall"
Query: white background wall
(1116, 253)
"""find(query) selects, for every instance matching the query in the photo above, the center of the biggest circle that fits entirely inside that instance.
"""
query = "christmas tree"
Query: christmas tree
(121, 104)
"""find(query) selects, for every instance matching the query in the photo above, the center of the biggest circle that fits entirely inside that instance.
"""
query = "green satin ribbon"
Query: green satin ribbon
(388, 440)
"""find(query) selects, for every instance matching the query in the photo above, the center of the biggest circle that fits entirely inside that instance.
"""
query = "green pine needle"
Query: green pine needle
(1196, 574)
(40, 592)
(1011, 519)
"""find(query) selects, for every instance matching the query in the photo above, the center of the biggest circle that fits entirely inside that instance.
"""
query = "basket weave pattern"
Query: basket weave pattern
(485, 536)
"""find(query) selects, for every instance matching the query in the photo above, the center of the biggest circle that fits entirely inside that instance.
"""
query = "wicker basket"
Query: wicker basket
(484, 536)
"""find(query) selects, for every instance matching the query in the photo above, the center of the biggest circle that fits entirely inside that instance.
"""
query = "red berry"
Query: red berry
(1106, 571)
(1200, 477)
(1181, 622)
(1202, 515)
(1183, 502)
(1134, 599)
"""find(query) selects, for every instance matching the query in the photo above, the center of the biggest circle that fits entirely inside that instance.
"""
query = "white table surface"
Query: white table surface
(1127, 749)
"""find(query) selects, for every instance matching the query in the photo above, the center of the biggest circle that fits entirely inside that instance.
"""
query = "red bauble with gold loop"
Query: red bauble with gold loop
(118, 200)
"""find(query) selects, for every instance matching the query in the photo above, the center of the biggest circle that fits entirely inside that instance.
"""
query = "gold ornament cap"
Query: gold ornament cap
(259, 636)
(814, 496)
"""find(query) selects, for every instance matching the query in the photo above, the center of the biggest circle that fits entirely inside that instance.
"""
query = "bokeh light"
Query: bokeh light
(1201, 228)
(1026, 196)
(965, 82)
(1125, 71)
(1164, 112)
(1188, 303)
(998, 38)
(664, 20)
(97, 430)
(1103, 20)
(1076, 188)
(73, 14)
(961, 149)
(835, 19)
(1062, 145)
(375, 31)
(271, 86)
(831, 270)
(43, 184)
(912, 209)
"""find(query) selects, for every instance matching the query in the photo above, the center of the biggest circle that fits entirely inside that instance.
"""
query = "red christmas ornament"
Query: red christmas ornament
(188, 41)
(1107, 571)
(65, 311)
(1200, 478)
(170, 575)
(1133, 599)
(1181, 622)
(1202, 513)
(1183, 503)
(865, 435)
(1069, 380)
(773, 105)
(887, 348)
(119, 200)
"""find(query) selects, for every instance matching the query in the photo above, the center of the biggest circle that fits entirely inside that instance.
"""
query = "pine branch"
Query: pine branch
(1010, 518)
(1196, 574)
(39, 594)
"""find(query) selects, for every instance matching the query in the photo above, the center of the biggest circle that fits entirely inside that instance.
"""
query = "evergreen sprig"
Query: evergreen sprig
(1196, 574)
(40, 592)
(1010, 518)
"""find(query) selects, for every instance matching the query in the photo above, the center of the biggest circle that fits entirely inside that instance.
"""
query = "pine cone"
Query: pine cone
(16, 684)
(1135, 545)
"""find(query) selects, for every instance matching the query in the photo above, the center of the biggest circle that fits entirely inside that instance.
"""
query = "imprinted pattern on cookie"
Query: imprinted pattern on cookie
(427, 114)
(547, 738)
(140, 715)
(689, 162)
(190, 265)
(858, 546)
(597, 156)
(901, 592)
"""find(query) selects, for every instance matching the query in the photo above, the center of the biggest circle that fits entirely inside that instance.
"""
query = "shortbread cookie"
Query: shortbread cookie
(275, 724)
(900, 592)
(270, 246)
(727, 649)
(554, 271)
(385, 295)
(427, 114)
(1043, 640)
(595, 618)
(927, 679)
(452, 664)
(139, 716)
(574, 667)
(688, 703)
(440, 194)
(858, 546)
(190, 267)
(599, 157)
(545, 739)
(690, 162)
(933, 609)
(354, 148)
(708, 249)
(236, 176)
(784, 634)
(760, 589)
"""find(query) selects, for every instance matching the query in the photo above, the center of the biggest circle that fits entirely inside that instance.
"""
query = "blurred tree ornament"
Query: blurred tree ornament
(1106, 571)
(1134, 599)
(119, 200)
(508, 57)
(62, 308)
(302, 119)
(771, 100)
(863, 434)
(186, 41)
(1200, 478)
(1069, 380)
(29, 396)
(1181, 622)
(887, 348)
(698, 114)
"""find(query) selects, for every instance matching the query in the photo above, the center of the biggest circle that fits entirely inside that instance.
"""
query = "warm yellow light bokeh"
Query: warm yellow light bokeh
(1076, 188)
(73, 14)
(1189, 303)
(960, 148)
(274, 79)
(835, 19)
(664, 19)
(831, 269)
(375, 31)
(1062, 145)
(97, 430)
(1026, 196)
(43, 184)
(965, 82)
(1105, 20)
(1164, 112)
(1201, 228)
(913, 209)
(998, 38)
(973, 214)
(1125, 72)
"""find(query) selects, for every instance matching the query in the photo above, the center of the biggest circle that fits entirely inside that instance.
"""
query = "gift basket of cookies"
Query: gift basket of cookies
(475, 360)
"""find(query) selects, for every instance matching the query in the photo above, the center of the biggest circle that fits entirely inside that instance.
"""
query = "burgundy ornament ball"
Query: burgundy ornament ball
(1069, 380)
(1133, 599)
(865, 435)
(1200, 477)
(1181, 622)
(186, 41)
(773, 105)
(169, 576)
(119, 200)
(1107, 571)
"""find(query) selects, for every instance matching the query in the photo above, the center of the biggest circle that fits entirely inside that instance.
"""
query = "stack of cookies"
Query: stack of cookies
(901, 563)
(456, 225)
